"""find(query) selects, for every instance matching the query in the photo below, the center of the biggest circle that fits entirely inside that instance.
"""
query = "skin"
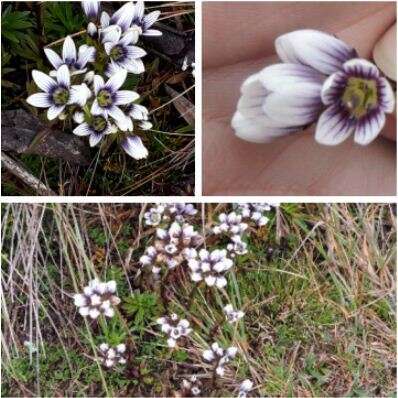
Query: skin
(239, 41)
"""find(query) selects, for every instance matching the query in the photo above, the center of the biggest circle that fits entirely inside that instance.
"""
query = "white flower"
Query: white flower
(219, 356)
(112, 356)
(176, 244)
(245, 387)
(174, 328)
(237, 246)
(230, 223)
(76, 64)
(56, 95)
(97, 299)
(180, 211)
(192, 386)
(137, 112)
(357, 98)
(91, 8)
(142, 22)
(153, 217)
(108, 96)
(210, 267)
(123, 55)
(284, 98)
(96, 128)
(134, 147)
(92, 30)
(231, 315)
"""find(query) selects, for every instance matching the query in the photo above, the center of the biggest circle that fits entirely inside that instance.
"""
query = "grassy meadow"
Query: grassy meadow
(317, 287)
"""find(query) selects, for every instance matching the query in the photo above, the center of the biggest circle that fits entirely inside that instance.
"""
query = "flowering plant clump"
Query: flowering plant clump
(321, 80)
(210, 267)
(167, 213)
(112, 356)
(97, 298)
(186, 254)
(192, 386)
(206, 257)
(219, 357)
(86, 84)
(174, 327)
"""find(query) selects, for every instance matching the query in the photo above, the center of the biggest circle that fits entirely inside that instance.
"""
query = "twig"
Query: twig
(19, 171)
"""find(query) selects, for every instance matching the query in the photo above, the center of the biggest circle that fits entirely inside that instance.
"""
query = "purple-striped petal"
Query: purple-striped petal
(69, 51)
(135, 52)
(124, 16)
(83, 130)
(43, 81)
(135, 66)
(98, 83)
(386, 95)
(54, 111)
(296, 105)
(152, 32)
(63, 76)
(319, 50)
(116, 113)
(150, 19)
(95, 138)
(134, 147)
(334, 126)
(124, 97)
(369, 127)
(53, 57)
(96, 109)
(105, 19)
(39, 100)
(139, 10)
(86, 54)
(361, 68)
(333, 88)
(111, 34)
(256, 129)
(91, 8)
(116, 81)
(273, 77)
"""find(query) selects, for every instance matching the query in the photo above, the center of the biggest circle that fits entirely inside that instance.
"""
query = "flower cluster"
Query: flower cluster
(192, 386)
(174, 327)
(255, 212)
(245, 387)
(210, 267)
(97, 298)
(86, 83)
(112, 356)
(232, 315)
(219, 357)
(171, 247)
(231, 224)
(164, 213)
(321, 79)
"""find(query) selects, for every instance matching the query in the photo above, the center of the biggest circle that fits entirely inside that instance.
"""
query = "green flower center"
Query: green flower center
(60, 96)
(116, 53)
(360, 96)
(98, 123)
(104, 98)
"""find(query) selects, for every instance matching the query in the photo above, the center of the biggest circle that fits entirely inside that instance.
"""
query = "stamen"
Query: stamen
(104, 98)
(60, 96)
(117, 53)
(360, 96)
(98, 123)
